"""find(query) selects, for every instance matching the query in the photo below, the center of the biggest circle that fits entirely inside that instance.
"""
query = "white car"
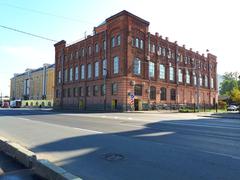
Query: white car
(232, 108)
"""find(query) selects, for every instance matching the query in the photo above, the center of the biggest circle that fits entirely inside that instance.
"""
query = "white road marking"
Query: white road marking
(57, 125)
(130, 118)
(88, 130)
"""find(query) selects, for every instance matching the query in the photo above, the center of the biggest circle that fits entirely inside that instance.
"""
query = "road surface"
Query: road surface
(130, 145)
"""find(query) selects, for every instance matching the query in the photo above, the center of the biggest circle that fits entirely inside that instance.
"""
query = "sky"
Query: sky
(199, 24)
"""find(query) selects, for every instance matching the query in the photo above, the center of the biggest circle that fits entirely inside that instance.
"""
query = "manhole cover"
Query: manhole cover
(113, 157)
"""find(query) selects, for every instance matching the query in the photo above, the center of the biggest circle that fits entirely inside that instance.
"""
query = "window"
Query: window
(59, 77)
(171, 73)
(65, 75)
(151, 69)
(89, 73)
(163, 94)
(159, 50)
(82, 72)
(152, 93)
(104, 45)
(104, 67)
(76, 54)
(57, 93)
(173, 94)
(206, 81)
(76, 73)
(118, 40)
(116, 65)
(187, 77)
(185, 59)
(103, 90)
(70, 74)
(137, 66)
(162, 73)
(137, 42)
(88, 91)
(194, 79)
(80, 91)
(212, 83)
(164, 51)
(153, 48)
(169, 53)
(138, 90)
(114, 88)
(96, 48)
(83, 52)
(96, 66)
(141, 44)
(180, 76)
(89, 50)
(69, 92)
(200, 80)
(95, 90)
(74, 92)
(113, 41)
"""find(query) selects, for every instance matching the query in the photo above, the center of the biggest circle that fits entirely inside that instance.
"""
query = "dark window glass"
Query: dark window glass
(173, 94)
(152, 92)
(163, 93)
(138, 90)
(80, 91)
(88, 91)
(95, 90)
(114, 88)
(69, 92)
(103, 90)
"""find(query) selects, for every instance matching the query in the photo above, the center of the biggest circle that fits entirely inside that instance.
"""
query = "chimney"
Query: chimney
(166, 38)
(190, 49)
(157, 34)
(175, 42)
(161, 37)
(184, 46)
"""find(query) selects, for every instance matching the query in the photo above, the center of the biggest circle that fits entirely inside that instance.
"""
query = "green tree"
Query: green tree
(227, 86)
(235, 95)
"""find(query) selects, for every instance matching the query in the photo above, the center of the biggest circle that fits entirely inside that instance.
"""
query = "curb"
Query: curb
(41, 167)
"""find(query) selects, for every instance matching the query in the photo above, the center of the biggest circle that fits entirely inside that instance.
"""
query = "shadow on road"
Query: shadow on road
(181, 149)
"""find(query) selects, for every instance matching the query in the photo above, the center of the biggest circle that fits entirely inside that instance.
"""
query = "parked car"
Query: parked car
(232, 108)
(5, 105)
(15, 104)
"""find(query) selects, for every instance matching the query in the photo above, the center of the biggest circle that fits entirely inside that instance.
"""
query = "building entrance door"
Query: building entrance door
(136, 104)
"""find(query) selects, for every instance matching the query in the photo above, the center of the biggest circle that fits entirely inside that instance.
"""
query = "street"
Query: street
(137, 145)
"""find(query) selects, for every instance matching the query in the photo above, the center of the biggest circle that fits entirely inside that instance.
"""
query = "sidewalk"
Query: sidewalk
(10, 169)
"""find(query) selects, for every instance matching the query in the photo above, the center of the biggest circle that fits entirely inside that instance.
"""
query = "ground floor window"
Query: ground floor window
(138, 90)
(173, 94)
(152, 92)
(163, 94)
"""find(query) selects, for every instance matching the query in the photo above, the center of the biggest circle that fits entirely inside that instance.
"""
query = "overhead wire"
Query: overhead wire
(27, 33)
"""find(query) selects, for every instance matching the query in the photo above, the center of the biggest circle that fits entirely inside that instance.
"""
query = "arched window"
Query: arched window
(163, 94)
(152, 93)
(173, 94)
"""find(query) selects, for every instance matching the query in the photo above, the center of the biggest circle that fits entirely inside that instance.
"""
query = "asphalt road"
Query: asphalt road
(130, 145)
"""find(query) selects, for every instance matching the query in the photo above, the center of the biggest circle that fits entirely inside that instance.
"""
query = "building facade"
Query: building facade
(34, 86)
(122, 66)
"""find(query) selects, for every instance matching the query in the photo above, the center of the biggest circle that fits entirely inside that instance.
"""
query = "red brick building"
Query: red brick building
(122, 66)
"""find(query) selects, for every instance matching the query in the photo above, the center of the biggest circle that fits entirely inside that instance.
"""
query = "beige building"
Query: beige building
(34, 86)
